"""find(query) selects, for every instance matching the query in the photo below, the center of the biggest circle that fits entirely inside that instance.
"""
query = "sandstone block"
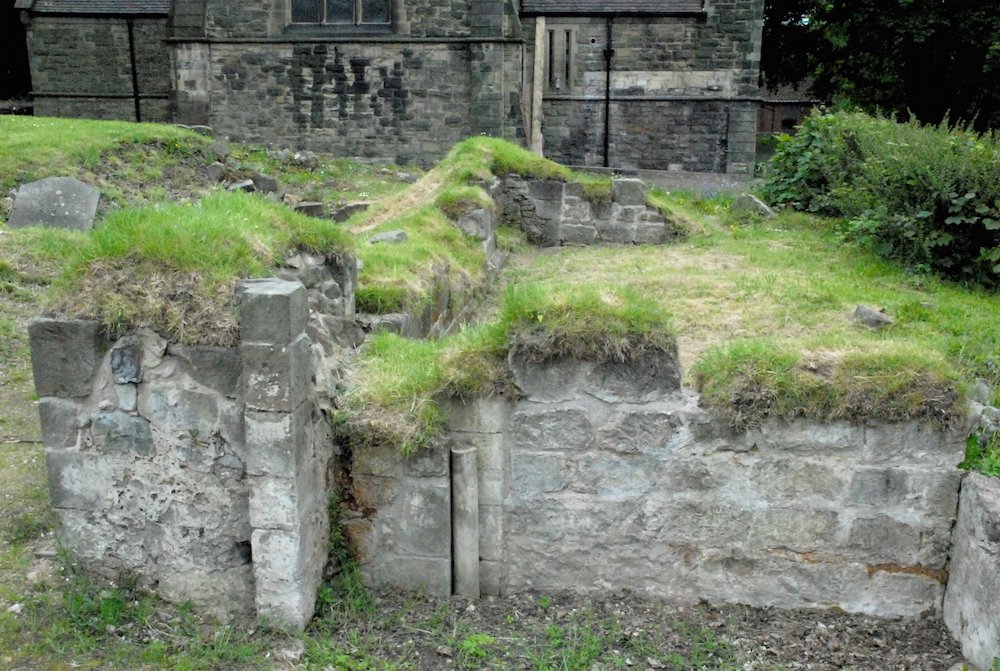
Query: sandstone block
(65, 355)
(276, 378)
(58, 202)
(971, 609)
(218, 368)
(424, 519)
(276, 442)
(649, 375)
(83, 480)
(577, 234)
(424, 574)
(60, 422)
(629, 192)
(553, 380)
(272, 311)
(555, 429)
(121, 432)
(533, 474)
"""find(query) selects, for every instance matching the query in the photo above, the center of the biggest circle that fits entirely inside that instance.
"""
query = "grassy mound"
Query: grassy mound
(401, 277)
(392, 398)
(173, 268)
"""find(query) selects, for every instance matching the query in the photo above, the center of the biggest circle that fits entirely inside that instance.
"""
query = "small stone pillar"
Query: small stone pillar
(465, 521)
(287, 460)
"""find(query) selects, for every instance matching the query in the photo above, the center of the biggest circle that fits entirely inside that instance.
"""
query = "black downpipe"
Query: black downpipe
(135, 73)
(609, 53)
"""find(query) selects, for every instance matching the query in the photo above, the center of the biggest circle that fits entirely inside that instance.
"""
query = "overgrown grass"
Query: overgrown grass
(762, 309)
(173, 268)
(401, 277)
(37, 147)
(393, 398)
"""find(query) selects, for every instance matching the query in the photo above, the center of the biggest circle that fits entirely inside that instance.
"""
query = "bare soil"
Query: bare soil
(531, 631)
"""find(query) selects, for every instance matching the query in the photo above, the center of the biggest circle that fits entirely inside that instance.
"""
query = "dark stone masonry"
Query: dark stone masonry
(672, 86)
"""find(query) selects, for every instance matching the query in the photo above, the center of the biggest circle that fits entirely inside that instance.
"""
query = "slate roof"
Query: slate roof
(99, 7)
(588, 7)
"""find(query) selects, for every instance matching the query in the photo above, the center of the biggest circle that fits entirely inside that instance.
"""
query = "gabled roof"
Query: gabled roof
(98, 7)
(636, 7)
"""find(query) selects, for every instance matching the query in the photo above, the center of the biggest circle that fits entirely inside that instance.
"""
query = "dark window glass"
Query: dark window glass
(375, 11)
(340, 11)
(305, 11)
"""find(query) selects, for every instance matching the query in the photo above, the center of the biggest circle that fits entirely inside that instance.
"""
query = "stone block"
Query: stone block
(373, 493)
(628, 192)
(879, 487)
(542, 189)
(561, 428)
(381, 460)
(490, 578)
(615, 230)
(421, 519)
(60, 422)
(430, 575)
(218, 368)
(883, 539)
(83, 480)
(57, 202)
(121, 432)
(648, 376)
(277, 442)
(281, 502)
(548, 381)
(534, 474)
(640, 432)
(276, 378)
(915, 443)
(429, 462)
(650, 233)
(971, 609)
(272, 311)
(481, 415)
(265, 183)
(65, 354)
(577, 234)
(180, 414)
(126, 361)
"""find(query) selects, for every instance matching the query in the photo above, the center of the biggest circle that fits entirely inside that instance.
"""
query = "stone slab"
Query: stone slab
(65, 354)
(272, 310)
(971, 606)
(56, 202)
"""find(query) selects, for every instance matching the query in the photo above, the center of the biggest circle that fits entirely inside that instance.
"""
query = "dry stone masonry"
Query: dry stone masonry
(209, 472)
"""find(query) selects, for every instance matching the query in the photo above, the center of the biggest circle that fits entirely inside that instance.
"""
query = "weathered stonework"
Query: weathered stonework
(203, 470)
(82, 67)
(554, 213)
(606, 477)
(971, 608)
(681, 92)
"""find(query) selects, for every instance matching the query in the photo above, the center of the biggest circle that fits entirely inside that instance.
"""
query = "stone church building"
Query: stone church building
(667, 84)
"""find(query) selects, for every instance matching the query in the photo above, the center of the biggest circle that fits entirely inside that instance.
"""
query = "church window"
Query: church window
(342, 12)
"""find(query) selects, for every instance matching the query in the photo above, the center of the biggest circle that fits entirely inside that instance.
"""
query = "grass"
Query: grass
(173, 268)
(38, 147)
(405, 276)
(394, 388)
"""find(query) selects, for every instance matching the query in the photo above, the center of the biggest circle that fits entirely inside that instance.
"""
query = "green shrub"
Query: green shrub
(928, 197)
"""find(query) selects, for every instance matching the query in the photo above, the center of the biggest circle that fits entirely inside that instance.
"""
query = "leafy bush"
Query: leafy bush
(928, 197)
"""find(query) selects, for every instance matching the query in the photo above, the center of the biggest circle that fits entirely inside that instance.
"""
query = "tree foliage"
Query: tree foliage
(934, 59)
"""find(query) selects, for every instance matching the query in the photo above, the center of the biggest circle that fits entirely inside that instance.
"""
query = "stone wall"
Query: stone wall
(609, 476)
(554, 213)
(401, 102)
(202, 470)
(682, 93)
(81, 67)
(971, 606)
